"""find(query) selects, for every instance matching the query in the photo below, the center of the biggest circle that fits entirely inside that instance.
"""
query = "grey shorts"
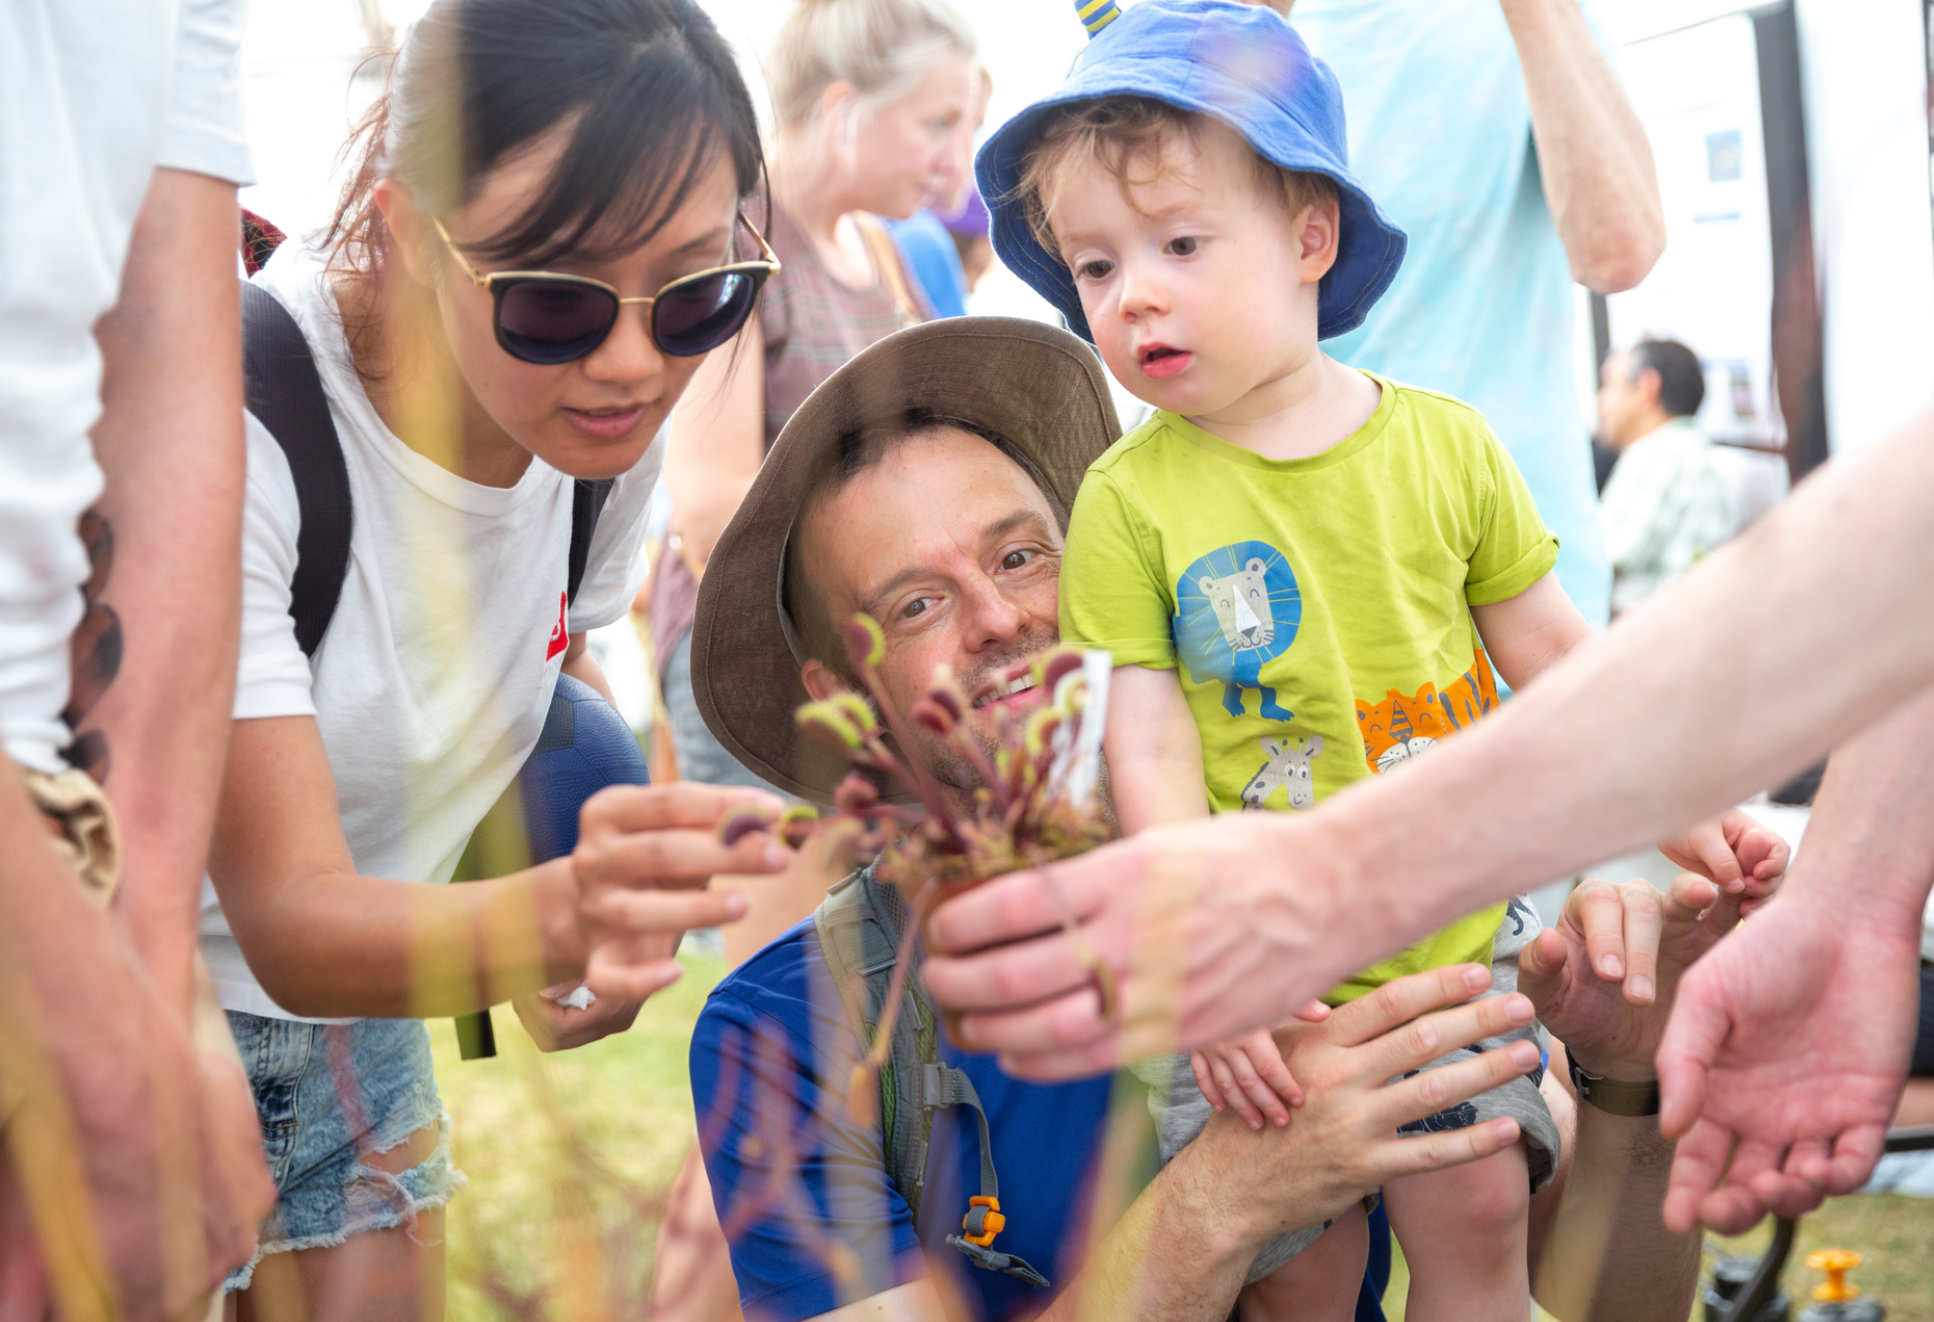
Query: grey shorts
(328, 1096)
(1180, 1110)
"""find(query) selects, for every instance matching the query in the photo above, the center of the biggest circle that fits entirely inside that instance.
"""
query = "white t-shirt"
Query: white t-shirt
(93, 97)
(432, 683)
(1665, 505)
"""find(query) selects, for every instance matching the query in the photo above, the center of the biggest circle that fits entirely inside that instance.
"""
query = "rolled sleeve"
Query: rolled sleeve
(1514, 548)
(203, 129)
(1112, 595)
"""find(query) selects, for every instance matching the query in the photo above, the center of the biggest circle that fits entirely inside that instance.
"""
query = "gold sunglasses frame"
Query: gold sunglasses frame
(767, 262)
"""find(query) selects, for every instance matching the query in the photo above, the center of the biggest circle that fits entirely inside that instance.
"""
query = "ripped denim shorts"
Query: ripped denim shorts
(329, 1096)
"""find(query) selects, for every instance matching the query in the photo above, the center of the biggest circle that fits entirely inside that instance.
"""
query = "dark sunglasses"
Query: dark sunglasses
(549, 318)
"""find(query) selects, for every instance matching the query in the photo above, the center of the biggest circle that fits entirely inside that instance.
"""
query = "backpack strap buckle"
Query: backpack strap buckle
(983, 1221)
(993, 1260)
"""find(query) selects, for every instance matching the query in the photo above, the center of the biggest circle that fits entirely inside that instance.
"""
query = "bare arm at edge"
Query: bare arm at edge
(580, 665)
(170, 444)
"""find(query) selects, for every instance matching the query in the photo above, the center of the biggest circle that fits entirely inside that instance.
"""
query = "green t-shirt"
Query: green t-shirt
(1319, 608)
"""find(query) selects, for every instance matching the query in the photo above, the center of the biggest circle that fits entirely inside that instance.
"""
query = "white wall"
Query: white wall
(1864, 80)
(296, 67)
(1864, 68)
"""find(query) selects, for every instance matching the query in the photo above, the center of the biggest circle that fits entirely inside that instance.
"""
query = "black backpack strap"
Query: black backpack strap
(587, 502)
(284, 393)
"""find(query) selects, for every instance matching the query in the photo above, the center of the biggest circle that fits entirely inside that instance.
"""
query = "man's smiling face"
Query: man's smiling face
(951, 546)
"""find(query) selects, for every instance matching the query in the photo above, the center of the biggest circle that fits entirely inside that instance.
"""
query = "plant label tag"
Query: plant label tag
(1076, 770)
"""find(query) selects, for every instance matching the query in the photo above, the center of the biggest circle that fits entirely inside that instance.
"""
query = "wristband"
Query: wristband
(1611, 1095)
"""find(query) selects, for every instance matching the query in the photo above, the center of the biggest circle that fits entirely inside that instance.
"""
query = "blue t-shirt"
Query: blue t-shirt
(1440, 135)
(791, 1172)
(792, 1175)
(930, 254)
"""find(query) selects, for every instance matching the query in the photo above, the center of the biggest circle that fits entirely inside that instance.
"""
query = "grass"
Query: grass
(539, 1220)
(542, 1219)
(1894, 1236)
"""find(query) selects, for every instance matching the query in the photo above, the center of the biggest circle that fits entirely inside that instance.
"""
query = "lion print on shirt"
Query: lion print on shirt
(1236, 609)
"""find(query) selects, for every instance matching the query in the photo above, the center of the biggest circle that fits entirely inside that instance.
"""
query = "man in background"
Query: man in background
(1667, 503)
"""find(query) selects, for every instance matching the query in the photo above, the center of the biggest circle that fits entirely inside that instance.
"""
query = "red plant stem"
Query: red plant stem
(906, 766)
(963, 740)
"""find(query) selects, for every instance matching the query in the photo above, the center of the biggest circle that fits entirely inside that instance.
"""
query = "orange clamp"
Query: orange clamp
(1836, 1263)
(991, 1221)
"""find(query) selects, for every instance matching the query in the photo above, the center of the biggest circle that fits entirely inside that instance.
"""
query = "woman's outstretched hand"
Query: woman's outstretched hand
(643, 858)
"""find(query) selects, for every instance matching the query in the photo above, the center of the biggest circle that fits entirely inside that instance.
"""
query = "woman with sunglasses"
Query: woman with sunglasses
(545, 235)
(874, 103)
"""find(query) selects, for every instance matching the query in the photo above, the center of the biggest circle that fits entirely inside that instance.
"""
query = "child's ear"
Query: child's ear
(1319, 231)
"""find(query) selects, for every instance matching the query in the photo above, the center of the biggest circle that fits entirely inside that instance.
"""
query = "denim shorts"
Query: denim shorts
(329, 1096)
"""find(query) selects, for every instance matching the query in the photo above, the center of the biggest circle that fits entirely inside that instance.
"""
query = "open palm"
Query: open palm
(1782, 1064)
(1604, 975)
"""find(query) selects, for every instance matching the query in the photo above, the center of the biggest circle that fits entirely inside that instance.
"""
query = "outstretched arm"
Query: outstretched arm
(1674, 714)
(1525, 635)
(1593, 156)
(325, 940)
(1787, 1052)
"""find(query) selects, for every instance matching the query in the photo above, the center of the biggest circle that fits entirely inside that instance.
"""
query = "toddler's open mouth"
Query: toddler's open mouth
(1162, 360)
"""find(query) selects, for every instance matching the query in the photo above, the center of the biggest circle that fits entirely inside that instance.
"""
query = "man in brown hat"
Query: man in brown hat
(926, 483)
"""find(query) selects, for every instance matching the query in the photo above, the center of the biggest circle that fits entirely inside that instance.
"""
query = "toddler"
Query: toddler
(1306, 574)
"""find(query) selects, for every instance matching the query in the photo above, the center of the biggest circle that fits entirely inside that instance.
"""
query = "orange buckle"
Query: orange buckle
(983, 1221)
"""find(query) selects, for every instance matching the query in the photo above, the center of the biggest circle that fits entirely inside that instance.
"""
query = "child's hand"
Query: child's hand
(1249, 1075)
(1732, 850)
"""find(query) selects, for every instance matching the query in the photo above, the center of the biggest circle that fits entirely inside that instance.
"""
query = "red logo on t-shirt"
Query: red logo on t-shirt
(560, 636)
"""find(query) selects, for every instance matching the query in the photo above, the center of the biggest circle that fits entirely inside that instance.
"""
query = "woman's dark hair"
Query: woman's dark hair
(648, 88)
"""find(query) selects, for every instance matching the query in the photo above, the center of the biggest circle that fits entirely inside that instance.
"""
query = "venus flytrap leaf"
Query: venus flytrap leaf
(742, 822)
(857, 710)
(865, 643)
(857, 795)
(825, 720)
(796, 824)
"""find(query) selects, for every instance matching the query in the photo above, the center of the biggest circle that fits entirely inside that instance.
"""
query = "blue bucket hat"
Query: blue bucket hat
(1242, 64)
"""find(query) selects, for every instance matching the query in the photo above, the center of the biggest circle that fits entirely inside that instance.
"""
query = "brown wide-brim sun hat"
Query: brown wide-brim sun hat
(1039, 387)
